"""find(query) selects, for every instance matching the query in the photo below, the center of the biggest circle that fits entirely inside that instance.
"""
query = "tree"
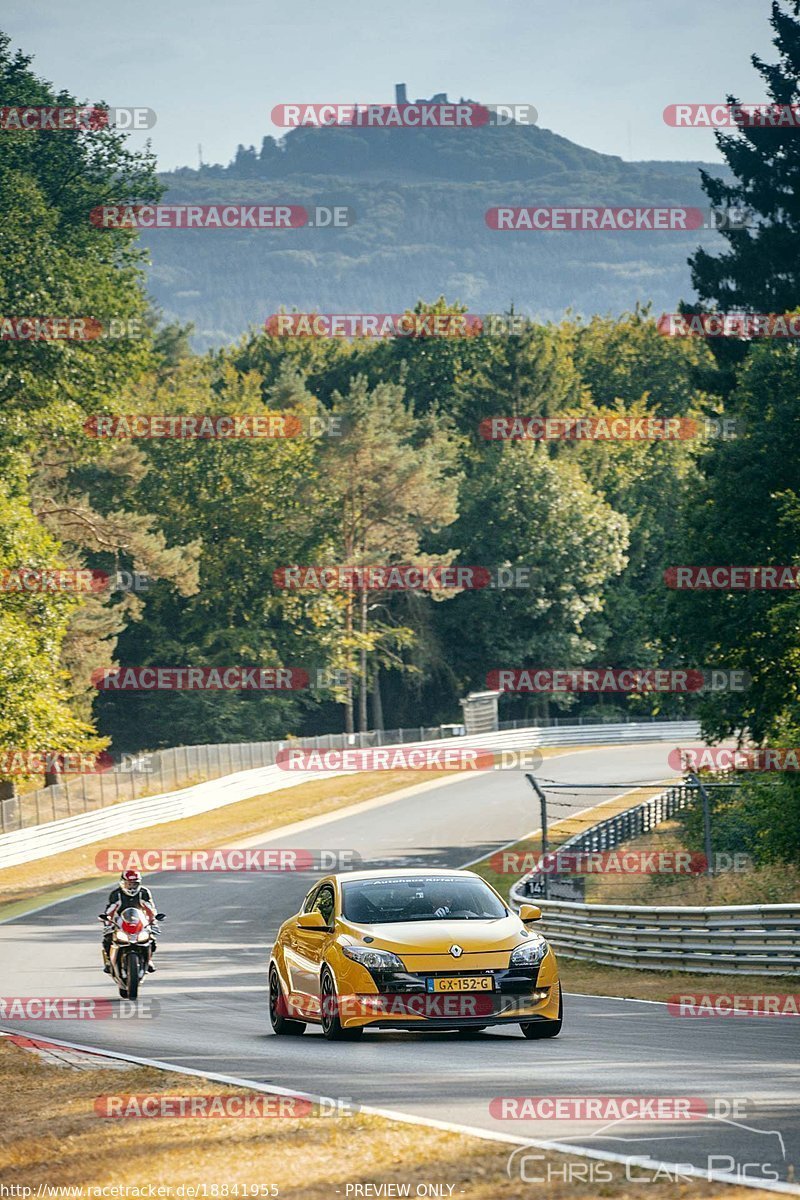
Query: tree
(56, 263)
(761, 270)
(747, 511)
(245, 505)
(523, 509)
(391, 479)
(35, 713)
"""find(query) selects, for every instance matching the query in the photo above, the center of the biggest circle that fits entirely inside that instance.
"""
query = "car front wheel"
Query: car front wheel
(278, 1008)
(545, 1029)
(332, 1026)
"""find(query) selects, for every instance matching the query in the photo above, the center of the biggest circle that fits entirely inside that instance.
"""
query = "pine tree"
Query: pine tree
(760, 271)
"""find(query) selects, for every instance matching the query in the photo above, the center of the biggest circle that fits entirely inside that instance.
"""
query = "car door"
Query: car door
(308, 949)
(290, 947)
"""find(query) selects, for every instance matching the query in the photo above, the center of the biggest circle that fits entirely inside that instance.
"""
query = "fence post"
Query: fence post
(706, 822)
(543, 810)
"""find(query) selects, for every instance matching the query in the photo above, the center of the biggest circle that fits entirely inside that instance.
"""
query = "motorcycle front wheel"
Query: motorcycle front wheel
(132, 973)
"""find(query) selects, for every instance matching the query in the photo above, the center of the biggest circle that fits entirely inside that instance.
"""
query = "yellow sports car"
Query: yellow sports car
(411, 949)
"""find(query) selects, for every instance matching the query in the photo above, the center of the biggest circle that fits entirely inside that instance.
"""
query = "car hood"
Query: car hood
(436, 937)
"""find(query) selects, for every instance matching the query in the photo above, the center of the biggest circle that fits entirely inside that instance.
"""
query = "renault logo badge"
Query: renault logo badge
(456, 951)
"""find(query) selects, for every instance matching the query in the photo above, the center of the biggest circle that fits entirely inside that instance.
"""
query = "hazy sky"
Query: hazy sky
(600, 72)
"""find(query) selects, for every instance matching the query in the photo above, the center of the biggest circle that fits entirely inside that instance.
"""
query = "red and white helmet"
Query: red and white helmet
(130, 882)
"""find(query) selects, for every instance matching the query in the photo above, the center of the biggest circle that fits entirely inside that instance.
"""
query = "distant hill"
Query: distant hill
(420, 199)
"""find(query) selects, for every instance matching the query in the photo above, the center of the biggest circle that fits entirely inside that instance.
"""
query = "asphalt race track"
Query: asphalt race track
(211, 988)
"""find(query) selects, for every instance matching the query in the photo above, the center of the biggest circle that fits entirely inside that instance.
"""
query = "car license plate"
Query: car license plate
(462, 983)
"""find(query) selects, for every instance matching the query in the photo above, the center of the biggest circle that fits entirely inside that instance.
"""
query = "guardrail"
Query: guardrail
(762, 939)
(605, 835)
(164, 770)
(759, 939)
(38, 841)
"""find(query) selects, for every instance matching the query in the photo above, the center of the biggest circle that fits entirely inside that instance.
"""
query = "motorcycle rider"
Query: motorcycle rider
(129, 893)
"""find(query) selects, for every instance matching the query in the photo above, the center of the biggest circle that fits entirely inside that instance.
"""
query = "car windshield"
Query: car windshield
(420, 898)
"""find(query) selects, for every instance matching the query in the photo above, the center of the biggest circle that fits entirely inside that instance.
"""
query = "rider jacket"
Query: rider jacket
(119, 899)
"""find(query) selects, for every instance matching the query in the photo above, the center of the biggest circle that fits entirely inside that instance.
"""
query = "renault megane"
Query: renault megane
(412, 949)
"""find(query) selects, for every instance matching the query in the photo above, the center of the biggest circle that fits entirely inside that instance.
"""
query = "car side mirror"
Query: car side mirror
(529, 912)
(312, 920)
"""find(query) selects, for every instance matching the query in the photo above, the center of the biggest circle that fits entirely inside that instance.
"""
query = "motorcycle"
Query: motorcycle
(131, 947)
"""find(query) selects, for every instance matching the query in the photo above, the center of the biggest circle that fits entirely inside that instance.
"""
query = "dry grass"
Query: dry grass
(630, 983)
(593, 979)
(530, 848)
(51, 1135)
(74, 870)
(776, 884)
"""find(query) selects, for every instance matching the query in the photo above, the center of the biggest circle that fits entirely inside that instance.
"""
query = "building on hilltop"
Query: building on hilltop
(401, 97)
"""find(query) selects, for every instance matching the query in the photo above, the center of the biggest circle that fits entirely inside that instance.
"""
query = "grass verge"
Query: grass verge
(51, 1136)
(73, 871)
(504, 868)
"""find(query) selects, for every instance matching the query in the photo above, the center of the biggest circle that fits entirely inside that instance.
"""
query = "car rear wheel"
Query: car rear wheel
(332, 1026)
(278, 1006)
(545, 1029)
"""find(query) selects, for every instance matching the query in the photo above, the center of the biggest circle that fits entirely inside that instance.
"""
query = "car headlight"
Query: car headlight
(529, 954)
(373, 960)
(121, 936)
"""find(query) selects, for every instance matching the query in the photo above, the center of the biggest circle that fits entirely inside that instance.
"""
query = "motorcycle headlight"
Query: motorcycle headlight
(374, 960)
(121, 936)
(144, 936)
(529, 954)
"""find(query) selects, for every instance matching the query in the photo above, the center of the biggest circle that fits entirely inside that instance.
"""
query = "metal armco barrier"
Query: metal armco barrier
(605, 835)
(761, 939)
(164, 770)
(38, 841)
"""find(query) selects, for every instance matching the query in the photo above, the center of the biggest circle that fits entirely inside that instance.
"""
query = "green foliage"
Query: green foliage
(760, 271)
(761, 818)
(746, 509)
